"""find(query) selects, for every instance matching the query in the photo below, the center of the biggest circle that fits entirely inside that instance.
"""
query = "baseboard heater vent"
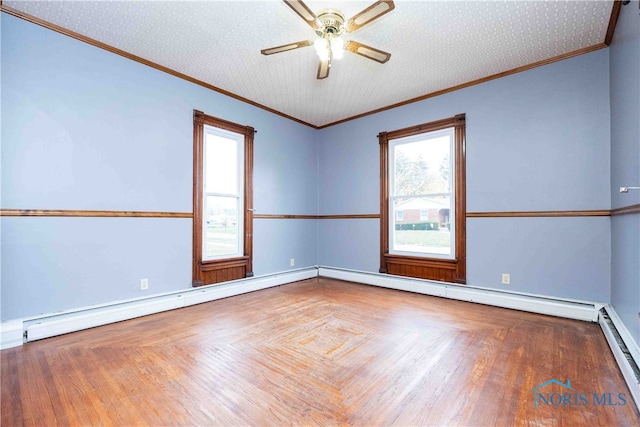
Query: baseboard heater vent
(621, 344)
(622, 352)
(89, 317)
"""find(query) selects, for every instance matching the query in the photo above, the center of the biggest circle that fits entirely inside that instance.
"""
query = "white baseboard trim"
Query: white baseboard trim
(11, 334)
(631, 375)
(572, 309)
(45, 326)
(16, 332)
(580, 310)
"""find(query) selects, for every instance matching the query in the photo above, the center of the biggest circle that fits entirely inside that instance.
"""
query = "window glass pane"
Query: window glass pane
(422, 166)
(422, 225)
(220, 164)
(421, 198)
(221, 229)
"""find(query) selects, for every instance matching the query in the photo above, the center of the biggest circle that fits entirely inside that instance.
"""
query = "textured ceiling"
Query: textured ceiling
(434, 45)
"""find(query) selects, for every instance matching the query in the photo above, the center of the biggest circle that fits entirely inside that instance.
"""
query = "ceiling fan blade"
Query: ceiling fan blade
(370, 14)
(304, 12)
(323, 69)
(368, 52)
(285, 47)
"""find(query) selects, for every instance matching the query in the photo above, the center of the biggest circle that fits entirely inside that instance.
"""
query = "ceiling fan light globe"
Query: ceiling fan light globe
(337, 44)
(322, 48)
(321, 45)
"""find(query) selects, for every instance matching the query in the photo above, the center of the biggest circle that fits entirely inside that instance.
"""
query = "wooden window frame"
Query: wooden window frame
(220, 270)
(447, 270)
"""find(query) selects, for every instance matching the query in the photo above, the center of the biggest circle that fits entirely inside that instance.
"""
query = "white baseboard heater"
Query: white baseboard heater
(20, 331)
(624, 349)
(62, 323)
(623, 346)
(621, 342)
(572, 309)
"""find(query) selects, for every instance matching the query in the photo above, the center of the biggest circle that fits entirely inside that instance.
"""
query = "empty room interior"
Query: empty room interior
(320, 212)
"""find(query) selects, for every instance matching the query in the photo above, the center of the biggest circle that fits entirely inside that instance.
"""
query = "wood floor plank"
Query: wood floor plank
(319, 352)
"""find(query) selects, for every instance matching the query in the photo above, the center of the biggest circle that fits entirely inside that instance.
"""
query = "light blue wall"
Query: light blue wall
(51, 264)
(285, 182)
(86, 129)
(292, 238)
(536, 140)
(625, 166)
(350, 243)
(562, 257)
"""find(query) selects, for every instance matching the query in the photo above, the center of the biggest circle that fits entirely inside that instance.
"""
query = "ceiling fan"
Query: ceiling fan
(329, 25)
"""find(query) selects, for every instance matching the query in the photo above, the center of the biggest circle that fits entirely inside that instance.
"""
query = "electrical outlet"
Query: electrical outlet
(506, 279)
(292, 262)
(144, 284)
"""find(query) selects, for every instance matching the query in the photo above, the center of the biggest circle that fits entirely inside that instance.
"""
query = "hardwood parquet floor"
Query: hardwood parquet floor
(320, 352)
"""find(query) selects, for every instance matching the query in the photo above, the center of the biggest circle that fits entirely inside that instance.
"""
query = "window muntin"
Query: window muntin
(223, 178)
(421, 183)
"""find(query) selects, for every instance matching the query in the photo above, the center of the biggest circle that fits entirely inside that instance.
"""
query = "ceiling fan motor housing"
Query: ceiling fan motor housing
(332, 23)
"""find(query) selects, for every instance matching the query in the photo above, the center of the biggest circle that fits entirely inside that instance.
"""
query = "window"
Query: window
(422, 174)
(420, 180)
(399, 215)
(223, 217)
(222, 191)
